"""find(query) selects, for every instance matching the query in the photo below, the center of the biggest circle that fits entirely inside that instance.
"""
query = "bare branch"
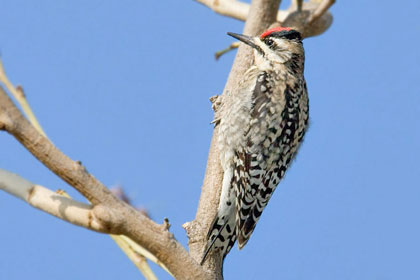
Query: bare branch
(230, 8)
(51, 202)
(320, 10)
(138, 259)
(117, 216)
(132, 250)
(233, 8)
(232, 46)
(141, 251)
(263, 14)
(310, 18)
(70, 171)
(305, 23)
(20, 98)
(123, 242)
(260, 15)
(298, 4)
(60, 205)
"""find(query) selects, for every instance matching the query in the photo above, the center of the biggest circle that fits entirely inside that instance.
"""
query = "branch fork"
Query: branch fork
(134, 232)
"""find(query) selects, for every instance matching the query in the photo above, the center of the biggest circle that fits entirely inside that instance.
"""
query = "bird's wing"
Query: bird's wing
(260, 164)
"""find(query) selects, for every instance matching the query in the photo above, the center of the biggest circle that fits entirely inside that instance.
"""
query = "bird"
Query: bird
(261, 124)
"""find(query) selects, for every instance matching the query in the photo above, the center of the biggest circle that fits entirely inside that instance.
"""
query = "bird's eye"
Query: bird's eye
(269, 42)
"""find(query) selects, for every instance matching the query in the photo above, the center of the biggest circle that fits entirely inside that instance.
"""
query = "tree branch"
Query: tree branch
(111, 215)
(51, 202)
(138, 259)
(64, 207)
(310, 18)
(132, 250)
(70, 171)
(19, 95)
(259, 15)
(320, 10)
(230, 8)
(115, 215)
(262, 14)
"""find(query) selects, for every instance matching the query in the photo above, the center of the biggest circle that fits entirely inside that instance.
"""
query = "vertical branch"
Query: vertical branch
(262, 14)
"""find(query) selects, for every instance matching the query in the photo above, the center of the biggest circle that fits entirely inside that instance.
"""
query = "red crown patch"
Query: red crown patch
(275, 29)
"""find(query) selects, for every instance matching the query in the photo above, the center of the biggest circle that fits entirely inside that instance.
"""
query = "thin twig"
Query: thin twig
(138, 259)
(143, 252)
(19, 95)
(232, 46)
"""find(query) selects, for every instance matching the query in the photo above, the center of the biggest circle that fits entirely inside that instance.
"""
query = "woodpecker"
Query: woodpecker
(261, 125)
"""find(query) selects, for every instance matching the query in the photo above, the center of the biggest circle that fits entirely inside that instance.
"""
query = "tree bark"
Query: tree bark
(262, 14)
(112, 215)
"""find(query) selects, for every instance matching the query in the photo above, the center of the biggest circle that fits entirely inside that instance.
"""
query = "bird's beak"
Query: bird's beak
(246, 39)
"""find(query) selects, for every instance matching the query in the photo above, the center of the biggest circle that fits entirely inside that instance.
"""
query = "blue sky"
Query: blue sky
(123, 86)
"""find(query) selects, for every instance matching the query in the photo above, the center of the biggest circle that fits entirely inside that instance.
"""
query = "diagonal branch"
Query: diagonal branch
(320, 10)
(115, 215)
(129, 247)
(70, 171)
(60, 206)
(138, 259)
(19, 95)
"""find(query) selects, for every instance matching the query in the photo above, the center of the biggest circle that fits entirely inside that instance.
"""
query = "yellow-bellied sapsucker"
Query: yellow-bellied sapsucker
(261, 125)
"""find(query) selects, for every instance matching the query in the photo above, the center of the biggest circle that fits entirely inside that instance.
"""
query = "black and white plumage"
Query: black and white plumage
(261, 125)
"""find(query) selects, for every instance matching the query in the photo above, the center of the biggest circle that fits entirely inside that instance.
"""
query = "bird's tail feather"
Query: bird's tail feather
(212, 237)
(222, 236)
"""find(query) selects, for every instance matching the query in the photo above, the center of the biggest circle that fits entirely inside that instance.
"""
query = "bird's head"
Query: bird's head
(276, 45)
